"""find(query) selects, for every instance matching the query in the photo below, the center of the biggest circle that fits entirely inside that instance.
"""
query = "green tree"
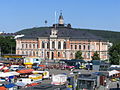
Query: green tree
(114, 54)
(95, 56)
(7, 45)
(78, 55)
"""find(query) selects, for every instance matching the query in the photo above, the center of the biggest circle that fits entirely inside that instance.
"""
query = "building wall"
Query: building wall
(54, 48)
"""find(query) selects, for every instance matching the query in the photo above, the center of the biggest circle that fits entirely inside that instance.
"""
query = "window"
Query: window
(33, 45)
(26, 52)
(48, 45)
(23, 52)
(53, 44)
(64, 45)
(37, 53)
(26, 45)
(58, 54)
(29, 45)
(43, 44)
(33, 53)
(47, 54)
(75, 46)
(64, 54)
(30, 53)
(83, 47)
(59, 45)
(71, 55)
(79, 46)
(88, 47)
(22, 45)
(71, 46)
(88, 55)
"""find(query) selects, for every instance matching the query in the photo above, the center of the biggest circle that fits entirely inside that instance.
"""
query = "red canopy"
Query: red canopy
(3, 88)
(33, 84)
(25, 71)
(42, 65)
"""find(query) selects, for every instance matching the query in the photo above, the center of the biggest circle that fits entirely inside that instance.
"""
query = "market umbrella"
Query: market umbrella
(10, 85)
(21, 84)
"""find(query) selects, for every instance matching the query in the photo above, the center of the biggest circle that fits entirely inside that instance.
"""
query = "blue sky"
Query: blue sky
(16, 15)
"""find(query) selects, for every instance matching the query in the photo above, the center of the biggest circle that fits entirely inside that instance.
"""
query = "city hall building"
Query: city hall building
(60, 41)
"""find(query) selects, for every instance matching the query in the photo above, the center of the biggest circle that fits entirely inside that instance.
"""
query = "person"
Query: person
(117, 85)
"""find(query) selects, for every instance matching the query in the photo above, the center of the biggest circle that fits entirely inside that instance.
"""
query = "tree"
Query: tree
(114, 54)
(78, 55)
(7, 45)
(95, 56)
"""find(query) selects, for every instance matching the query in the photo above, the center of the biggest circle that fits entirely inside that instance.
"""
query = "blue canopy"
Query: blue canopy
(10, 85)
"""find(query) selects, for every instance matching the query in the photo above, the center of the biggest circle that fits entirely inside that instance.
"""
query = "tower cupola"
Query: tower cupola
(61, 20)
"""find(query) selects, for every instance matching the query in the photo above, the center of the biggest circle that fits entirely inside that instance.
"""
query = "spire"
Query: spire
(61, 20)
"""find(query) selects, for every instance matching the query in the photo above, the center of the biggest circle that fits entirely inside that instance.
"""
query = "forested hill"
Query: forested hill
(112, 36)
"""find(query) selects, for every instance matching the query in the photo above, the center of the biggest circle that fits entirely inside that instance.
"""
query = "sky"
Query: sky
(16, 15)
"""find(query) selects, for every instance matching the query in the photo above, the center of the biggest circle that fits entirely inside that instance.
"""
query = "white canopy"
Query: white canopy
(113, 72)
(7, 74)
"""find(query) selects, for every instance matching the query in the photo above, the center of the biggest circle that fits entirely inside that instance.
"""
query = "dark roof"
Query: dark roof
(62, 32)
(99, 62)
(47, 87)
(87, 77)
(73, 60)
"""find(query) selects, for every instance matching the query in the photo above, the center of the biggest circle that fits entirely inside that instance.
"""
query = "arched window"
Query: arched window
(79, 46)
(48, 55)
(75, 46)
(23, 52)
(71, 46)
(88, 54)
(29, 45)
(22, 45)
(30, 53)
(43, 44)
(71, 55)
(26, 45)
(53, 44)
(33, 53)
(64, 54)
(83, 47)
(26, 52)
(58, 54)
(88, 47)
(33, 45)
(37, 53)
(48, 45)
(64, 45)
(59, 45)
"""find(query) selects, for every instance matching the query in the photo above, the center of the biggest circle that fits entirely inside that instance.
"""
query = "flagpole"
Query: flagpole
(55, 19)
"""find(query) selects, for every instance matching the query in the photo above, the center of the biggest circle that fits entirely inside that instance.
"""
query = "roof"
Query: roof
(10, 85)
(47, 87)
(32, 84)
(73, 60)
(63, 31)
(87, 77)
(96, 62)
(113, 72)
(25, 71)
(3, 88)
